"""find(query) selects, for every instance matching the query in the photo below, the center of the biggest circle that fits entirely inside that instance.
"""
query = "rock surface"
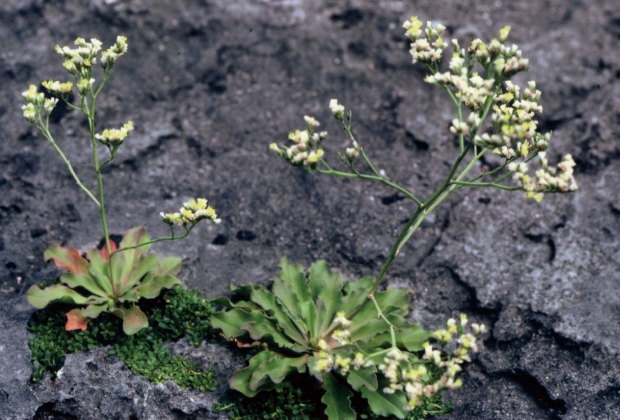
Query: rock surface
(209, 84)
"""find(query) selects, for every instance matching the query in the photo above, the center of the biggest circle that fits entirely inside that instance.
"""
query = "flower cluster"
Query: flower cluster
(514, 125)
(306, 150)
(548, 179)
(35, 101)
(404, 370)
(58, 88)
(114, 137)
(465, 343)
(191, 213)
(337, 109)
(109, 56)
(342, 334)
(427, 49)
(81, 59)
(326, 360)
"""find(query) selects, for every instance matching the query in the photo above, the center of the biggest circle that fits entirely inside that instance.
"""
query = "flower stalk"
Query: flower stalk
(510, 134)
(110, 287)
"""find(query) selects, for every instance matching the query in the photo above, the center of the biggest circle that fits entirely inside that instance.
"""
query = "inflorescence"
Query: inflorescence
(406, 371)
(191, 213)
(513, 133)
(79, 63)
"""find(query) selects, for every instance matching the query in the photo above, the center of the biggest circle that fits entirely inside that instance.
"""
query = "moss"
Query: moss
(177, 313)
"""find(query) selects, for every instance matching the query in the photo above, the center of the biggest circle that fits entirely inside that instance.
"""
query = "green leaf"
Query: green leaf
(375, 327)
(133, 319)
(267, 301)
(291, 287)
(168, 267)
(93, 310)
(244, 291)
(124, 262)
(356, 294)
(275, 369)
(227, 303)
(40, 298)
(412, 337)
(337, 400)
(309, 315)
(129, 296)
(102, 279)
(239, 322)
(230, 322)
(142, 267)
(364, 377)
(267, 332)
(331, 295)
(151, 287)
(67, 258)
(97, 262)
(136, 236)
(386, 404)
(241, 379)
(392, 301)
(83, 280)
(317, 278)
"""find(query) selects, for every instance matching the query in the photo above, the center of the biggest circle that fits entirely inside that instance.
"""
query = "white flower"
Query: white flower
(312, 122)
(337, 109)
(30, 113)
(114, 136)
(49, 105)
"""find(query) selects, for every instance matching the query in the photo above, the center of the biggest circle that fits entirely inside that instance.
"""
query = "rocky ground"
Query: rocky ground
(209, 84)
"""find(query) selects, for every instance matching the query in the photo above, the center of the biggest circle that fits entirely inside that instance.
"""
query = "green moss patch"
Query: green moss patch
(177, 313)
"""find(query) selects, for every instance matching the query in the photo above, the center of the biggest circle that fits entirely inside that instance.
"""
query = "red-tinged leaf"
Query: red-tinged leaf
(136, 236)
(133, 319)
(67, 258)
(104, 251)
(76, 321)
(253, 344)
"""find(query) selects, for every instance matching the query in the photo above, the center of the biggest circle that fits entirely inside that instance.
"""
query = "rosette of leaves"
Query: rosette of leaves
(296, 319)
(97, 282)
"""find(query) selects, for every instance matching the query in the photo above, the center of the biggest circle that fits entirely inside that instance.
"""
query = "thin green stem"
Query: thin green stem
(459, 112)
(104, 222)
(347, 128)
(369, 163)
(154, 241)
(487, 184)
(69, 104)
(494, 171)
(46, 133)
(106, 74)
(373, 178)
(389, 261)
(392, 327)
